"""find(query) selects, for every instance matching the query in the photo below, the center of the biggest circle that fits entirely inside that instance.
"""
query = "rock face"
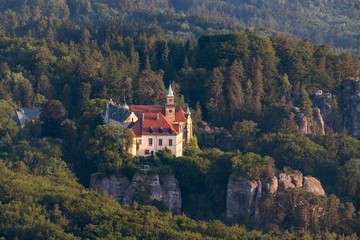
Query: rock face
(353, 116)
(313, 185)
(112, 185)
(144, 186)
(219, 137)
(319, 120)
(244, 196)
(322, 101)
(293, 179)
(270, 186)
(322, 113)
(301, 121)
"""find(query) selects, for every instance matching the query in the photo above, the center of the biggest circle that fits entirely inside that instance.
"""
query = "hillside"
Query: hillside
(262, 104)
(335, 23)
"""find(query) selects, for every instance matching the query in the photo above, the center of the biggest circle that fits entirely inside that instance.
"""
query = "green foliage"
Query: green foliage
(293, 151)
(253, 166)
(109, 146)
(69, 56)
(8, 127)
(349, 182)
(244, 133)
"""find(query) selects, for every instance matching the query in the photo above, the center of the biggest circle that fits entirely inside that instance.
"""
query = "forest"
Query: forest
(70, 57)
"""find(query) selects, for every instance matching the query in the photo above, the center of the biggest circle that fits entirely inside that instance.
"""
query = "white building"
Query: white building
(154, 127)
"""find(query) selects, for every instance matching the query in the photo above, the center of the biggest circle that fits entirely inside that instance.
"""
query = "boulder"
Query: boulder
(290, 179)
(311, 184)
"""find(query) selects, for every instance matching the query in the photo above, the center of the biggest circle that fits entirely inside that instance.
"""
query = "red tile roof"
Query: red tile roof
(147, 109)
(180, 115)
(153, 124)
(151, 120)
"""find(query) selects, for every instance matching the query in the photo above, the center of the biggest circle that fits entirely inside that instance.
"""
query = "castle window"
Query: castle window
(160, 142)
(150, 142)
(147, 152)
(170, 142)
(140, 141)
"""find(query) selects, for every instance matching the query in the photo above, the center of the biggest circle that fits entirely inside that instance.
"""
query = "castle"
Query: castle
(153, 127)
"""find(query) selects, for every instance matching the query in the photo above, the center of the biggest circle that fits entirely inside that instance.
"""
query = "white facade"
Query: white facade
(150, 144)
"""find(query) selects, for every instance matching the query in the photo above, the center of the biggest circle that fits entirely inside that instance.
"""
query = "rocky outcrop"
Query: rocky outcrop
(290, 179)
(301, 121)
(144, 187)
(353, 116)
(322, 102)
(171, 193)
(214, 136)
(322, 113)
(319, 120)
(311, 184)
(244, 196)
(271, 185)
(112, 185)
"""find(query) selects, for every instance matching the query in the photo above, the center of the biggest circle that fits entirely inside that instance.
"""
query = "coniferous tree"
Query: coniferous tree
(234, 90)
(258, 85)
(215, 98)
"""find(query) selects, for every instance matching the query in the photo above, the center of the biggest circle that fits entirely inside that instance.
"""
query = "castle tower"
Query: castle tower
(170, 105)
(189, 133)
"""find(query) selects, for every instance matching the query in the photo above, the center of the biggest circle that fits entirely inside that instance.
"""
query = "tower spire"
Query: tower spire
(170, 92)
(125, 104)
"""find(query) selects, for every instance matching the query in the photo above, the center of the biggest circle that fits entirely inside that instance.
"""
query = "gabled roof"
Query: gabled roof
(23, 115)
(117, 113)
(150, 123)
(180, 115)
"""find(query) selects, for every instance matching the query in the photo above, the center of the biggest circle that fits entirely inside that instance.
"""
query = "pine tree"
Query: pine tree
(214, 92)
(234, 90)
(258, 85)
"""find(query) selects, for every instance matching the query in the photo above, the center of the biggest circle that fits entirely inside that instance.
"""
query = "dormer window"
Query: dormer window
(161, 130)
(151, 130)
(170, 132)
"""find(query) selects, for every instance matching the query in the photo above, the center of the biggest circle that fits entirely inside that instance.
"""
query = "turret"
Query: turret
(170, 104)
(188, 113)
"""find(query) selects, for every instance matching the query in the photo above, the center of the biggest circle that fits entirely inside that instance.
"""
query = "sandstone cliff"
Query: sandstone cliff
(244, 196)
(352, 116)
(145, 187)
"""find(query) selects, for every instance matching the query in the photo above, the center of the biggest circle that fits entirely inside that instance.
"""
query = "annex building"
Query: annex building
(154, 127)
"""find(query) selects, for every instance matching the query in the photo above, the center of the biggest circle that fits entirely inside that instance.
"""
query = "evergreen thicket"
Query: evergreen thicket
(69, 57)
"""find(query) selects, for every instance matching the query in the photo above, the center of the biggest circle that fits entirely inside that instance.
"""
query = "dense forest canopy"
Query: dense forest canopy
(332, 22)
(69, 57)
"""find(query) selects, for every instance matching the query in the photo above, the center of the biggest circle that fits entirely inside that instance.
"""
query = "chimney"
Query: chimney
(142, 117)
(157, 116)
